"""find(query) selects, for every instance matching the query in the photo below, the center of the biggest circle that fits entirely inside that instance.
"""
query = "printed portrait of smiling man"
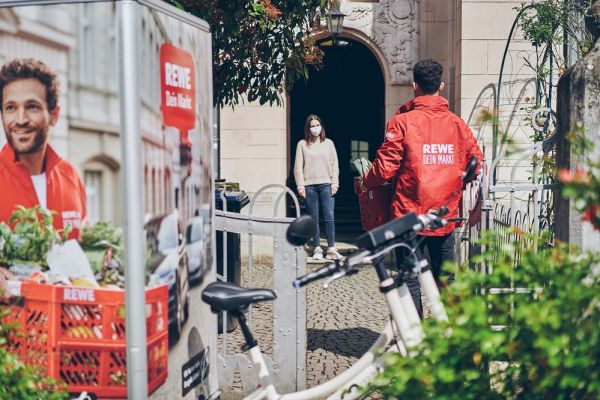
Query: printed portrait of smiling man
(30, 169)
(29, 109)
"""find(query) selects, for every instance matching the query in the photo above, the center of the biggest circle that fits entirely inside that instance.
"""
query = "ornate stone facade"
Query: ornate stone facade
(393, 26)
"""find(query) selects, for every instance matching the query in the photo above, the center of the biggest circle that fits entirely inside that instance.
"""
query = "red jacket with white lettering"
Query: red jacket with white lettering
(65, 191)
(426, 148)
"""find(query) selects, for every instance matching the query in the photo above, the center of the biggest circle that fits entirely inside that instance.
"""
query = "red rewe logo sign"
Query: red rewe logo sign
(178, 87)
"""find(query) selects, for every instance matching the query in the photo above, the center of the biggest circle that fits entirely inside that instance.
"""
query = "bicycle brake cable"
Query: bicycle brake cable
(395, 334)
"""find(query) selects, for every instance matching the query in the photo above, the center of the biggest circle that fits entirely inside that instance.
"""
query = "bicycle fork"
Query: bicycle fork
(432, 294)
(403, 309)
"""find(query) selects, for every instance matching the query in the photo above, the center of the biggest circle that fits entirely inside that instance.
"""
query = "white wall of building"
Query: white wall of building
(254, 145)
(437, 41)
(485, 27)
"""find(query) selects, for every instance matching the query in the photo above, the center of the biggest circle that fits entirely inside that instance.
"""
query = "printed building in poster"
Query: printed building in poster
(79, 42)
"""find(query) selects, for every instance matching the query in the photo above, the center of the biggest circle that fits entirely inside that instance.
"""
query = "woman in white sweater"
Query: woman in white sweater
(317, 178)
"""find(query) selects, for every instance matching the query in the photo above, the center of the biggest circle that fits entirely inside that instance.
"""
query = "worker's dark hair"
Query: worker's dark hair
(428, 75)
(25, 68)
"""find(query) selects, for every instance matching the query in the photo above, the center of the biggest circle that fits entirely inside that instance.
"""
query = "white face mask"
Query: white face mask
(315, 130)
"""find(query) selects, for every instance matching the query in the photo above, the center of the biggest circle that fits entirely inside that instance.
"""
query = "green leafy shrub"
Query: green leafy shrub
(103, 245)
(19, 381)
(100, 236)
(548, 22)
(542, 342)
(31, 238)
(259, 47)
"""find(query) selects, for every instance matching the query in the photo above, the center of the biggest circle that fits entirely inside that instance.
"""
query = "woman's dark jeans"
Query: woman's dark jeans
(316, 194)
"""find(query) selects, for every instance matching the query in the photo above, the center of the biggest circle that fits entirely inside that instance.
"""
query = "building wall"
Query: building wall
(436, 41)
(484, 29)
(254, 153)
(254, 145)
(485, 26)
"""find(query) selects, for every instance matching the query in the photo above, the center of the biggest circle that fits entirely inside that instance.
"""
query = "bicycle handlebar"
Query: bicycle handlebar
(379, 240)
(323, 272)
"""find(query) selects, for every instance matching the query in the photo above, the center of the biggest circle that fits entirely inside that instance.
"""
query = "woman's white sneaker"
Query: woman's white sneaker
(317, 254)
(332, 254)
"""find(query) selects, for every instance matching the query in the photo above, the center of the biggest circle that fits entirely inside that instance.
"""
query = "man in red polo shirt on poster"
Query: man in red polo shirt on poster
(31, 172)
(427, 148)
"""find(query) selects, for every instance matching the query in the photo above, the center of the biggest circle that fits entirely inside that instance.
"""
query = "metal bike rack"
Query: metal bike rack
(288, 364)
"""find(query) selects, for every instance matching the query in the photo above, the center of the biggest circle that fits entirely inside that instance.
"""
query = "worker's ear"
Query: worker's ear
(442, 85)
(417, 89)
(54, 115)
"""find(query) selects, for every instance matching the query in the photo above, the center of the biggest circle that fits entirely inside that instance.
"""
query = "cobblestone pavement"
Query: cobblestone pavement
(343, 321)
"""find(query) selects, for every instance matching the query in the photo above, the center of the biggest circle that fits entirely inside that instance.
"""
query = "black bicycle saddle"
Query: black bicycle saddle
(226, 296)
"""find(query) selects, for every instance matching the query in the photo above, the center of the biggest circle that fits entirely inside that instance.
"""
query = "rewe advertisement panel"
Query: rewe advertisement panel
(64, 157)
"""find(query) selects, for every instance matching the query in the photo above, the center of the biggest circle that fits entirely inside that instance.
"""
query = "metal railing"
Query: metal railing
(288, 359)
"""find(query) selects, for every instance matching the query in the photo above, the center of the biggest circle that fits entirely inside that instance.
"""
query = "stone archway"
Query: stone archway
(348, 93)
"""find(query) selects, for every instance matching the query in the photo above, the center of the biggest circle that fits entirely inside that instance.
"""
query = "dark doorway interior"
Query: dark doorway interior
(348, 94)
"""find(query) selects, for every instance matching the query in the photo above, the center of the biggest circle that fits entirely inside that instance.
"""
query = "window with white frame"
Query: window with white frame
(358, 149)
(93, 191)
(87, 63)
(113, 52)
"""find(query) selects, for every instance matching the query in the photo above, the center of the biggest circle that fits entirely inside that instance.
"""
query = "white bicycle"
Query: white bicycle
(372, 247)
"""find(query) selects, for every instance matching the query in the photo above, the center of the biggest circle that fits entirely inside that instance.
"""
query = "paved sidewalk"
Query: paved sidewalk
(343, 321)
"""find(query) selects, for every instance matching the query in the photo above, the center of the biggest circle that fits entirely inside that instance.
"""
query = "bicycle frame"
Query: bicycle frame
(404, 317)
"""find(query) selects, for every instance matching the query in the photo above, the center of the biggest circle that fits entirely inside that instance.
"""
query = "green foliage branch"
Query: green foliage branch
(548, 347)
(100, 236)
(551, 26)
(259, 47)
(103, 245)
(549, 23)
(31, 238)
(20, 381)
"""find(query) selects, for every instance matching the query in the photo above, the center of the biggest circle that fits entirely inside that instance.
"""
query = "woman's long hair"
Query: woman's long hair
(307, 135)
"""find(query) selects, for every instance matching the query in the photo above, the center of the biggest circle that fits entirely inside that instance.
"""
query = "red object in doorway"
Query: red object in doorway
(374, 204)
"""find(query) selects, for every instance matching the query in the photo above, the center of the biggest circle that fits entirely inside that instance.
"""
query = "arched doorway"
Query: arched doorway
(348, 94)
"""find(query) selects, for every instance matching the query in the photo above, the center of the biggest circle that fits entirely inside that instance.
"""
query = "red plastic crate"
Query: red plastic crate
(374, 204)
(77, 335)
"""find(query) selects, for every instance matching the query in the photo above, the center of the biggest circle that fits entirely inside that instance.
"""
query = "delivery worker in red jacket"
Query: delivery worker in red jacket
(31, 172)
(426, 147)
